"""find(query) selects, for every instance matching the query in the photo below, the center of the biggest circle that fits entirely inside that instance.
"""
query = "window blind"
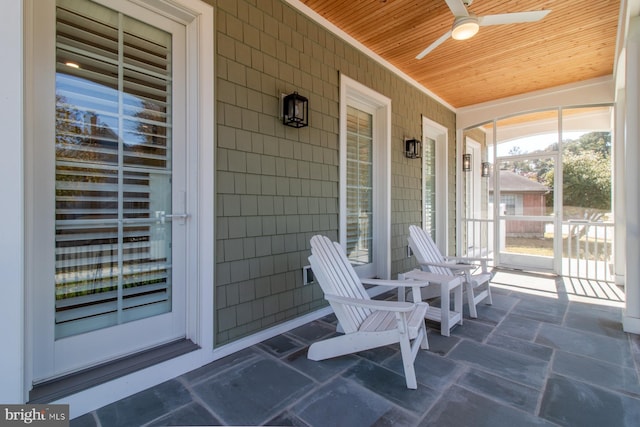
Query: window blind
(429, 194)
(359, 186)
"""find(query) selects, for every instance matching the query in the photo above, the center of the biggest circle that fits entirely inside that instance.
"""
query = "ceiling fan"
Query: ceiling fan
(467, 24)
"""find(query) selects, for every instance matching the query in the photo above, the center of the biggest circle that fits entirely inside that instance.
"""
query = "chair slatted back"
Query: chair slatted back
(336, 276)
(426, 251)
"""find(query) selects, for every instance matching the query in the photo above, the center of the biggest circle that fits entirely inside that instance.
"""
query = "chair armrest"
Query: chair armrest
(401, 307)
(483, 262)
(452, 266)
(394, 283)
(467, 259)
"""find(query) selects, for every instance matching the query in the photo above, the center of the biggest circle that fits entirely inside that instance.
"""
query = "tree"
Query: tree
(598, 142)
(587, 180)
(586, 168)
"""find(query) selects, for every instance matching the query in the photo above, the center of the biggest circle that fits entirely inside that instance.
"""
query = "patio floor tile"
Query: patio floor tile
(573, 403)
(281, 345)
(542, 309)
(431, 370)
(487, 314)
(594, 371)
(461, 407)
(313, 331)
(145, 406)
(254, 393)
(518, 327)
(472, 330)
(392, 386)
(286, 419)
(600, 347)
(215, 368)
(440, 344)
(514, 394)
(507, 364)
(192, 414)
(350, 403)
(606, 322)
(520, 346)
(320, 371)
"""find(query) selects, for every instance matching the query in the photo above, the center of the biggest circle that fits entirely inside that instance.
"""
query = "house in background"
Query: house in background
(521, 196)
(184, 239)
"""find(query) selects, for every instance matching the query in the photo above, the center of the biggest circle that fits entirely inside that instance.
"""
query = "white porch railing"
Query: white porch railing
(587, 246)
(588, 250)
(477, 242)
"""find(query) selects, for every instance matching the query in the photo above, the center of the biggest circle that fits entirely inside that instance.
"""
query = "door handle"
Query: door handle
(181, 217)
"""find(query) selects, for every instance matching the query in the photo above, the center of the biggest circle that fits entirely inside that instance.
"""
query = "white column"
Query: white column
(11, 220)
(631, 316)
(618, 190)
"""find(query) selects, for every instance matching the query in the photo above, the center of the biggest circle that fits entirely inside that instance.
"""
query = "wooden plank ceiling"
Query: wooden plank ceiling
(576, 41)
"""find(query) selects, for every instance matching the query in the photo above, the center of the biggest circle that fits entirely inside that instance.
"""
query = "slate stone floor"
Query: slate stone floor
(546, 359)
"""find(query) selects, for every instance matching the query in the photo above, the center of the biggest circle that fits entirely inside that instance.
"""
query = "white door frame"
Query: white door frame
(199, 21)
(440, 134)
(357, 93)
(474, 190)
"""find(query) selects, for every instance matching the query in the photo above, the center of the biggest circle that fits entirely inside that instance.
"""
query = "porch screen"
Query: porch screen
(359, 186)
(113, 169)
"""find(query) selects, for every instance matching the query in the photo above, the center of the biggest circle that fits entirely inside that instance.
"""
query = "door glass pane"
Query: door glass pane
(113, 168)
(359, 186)
(429, 190)
(586, 163)
(587, 225)
(526, 205)
(534, 238)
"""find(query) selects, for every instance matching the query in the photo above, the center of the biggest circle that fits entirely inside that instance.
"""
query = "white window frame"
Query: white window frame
(352, 92)
(198, 17)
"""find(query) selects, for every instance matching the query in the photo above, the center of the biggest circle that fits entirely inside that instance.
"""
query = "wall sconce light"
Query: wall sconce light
(486, 168)
(466, 162)
(412, 148)
(295, 110)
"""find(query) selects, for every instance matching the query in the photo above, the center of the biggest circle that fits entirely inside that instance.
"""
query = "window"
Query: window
(359, 186)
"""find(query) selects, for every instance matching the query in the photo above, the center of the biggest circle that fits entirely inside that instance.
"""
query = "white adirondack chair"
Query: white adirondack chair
(366, 323)
(477, 285)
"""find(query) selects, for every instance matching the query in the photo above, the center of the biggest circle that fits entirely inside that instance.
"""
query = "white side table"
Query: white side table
(447, 284)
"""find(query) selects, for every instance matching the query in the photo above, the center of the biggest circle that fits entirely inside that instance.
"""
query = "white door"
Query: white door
(109, 184)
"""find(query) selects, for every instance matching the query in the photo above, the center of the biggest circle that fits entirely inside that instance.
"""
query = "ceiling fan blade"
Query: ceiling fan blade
(512, 18)
(457, 8)
(434, 45)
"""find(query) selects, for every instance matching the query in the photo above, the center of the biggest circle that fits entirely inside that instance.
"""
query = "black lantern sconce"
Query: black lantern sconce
(466, 162)
(295, 110)
(486, 169)
(412, 148)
